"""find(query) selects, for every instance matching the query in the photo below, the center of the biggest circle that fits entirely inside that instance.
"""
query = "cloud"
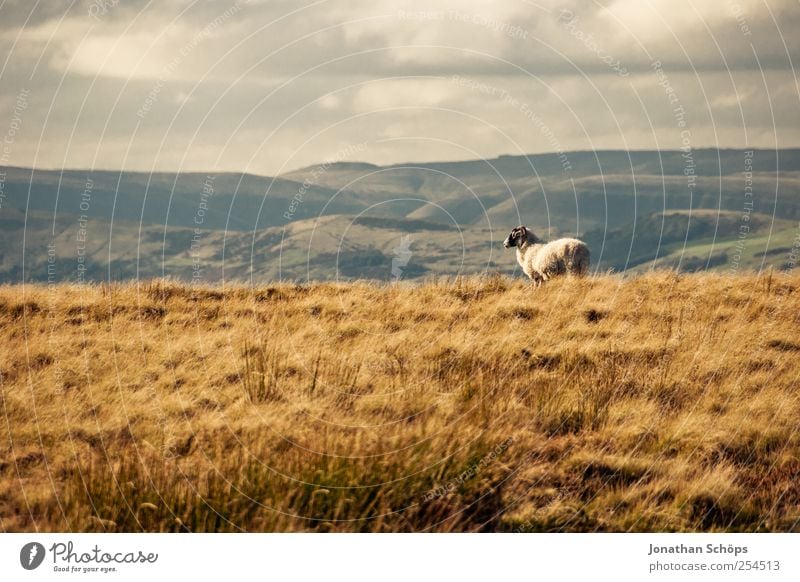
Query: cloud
(230, 83)
(400, 93)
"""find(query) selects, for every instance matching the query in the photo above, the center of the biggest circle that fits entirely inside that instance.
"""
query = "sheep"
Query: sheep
(542, 260)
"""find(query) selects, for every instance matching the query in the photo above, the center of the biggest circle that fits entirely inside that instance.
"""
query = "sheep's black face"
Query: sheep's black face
(515, 237)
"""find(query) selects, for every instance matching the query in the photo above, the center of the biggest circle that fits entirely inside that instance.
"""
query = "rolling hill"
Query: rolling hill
(637, 210)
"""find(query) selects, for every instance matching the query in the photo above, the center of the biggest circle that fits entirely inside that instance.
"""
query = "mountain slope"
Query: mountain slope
(635, 209)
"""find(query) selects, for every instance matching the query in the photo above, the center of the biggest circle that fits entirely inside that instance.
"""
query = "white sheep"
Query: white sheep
(542, 260)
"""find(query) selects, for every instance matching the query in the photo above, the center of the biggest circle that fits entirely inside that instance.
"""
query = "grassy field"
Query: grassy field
(660, 402)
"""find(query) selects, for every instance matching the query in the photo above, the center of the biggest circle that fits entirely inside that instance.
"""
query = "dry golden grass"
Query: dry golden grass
(661, 402)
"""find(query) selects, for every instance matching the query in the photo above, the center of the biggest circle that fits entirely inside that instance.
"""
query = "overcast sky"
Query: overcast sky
(267, 86)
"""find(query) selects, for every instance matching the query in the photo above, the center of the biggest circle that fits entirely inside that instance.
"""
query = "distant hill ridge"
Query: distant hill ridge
(296, 224)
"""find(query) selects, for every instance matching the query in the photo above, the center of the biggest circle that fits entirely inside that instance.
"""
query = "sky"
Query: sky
(268, 86)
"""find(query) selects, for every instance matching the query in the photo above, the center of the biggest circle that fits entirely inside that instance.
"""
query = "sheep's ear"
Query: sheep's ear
(523, 230)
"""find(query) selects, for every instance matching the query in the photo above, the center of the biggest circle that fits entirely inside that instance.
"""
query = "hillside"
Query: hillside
(341, 221)
(661, 402)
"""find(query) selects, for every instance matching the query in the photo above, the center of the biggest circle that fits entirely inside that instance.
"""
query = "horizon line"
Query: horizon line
(397, 164)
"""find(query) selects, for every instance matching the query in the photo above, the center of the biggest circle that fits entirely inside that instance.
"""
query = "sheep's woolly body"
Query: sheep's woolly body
(540, 261)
